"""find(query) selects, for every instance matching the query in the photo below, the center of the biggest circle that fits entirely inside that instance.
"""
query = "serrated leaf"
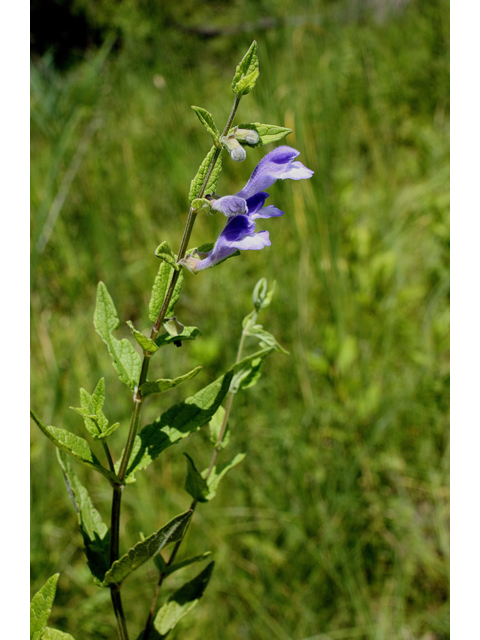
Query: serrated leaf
(206, 119)
(41, 606)
(215, 426)
(247, 83)
(176, 423)
(126, 360)
(98, 396)
(165, 253)
(195, 485)
(75, 446)
(164, 384)
(95, 420)
(266, 338)
(55, 634)
(247, 71)
(146, 343)
(214, 477)
(188, 333)
(182, 601)
(94, 531)
(146, 549)
(247, 371)
(159, 291)
(184, 563)
(198, 180)
(268, 133)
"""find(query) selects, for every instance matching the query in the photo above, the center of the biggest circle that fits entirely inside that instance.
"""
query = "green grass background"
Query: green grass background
(335, 526)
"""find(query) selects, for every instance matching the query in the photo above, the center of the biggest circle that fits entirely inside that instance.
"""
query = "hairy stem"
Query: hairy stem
(138, 400)
(218, 446)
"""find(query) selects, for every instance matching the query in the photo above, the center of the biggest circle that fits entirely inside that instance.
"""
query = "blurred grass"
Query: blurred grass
(336, 524)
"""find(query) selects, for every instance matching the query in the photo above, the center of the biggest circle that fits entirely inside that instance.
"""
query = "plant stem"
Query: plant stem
(218, 445)
(138, 400)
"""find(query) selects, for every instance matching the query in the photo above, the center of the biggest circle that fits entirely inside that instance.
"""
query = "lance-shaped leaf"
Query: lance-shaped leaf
(176, 566)
(176, 423)
(199, 179)
(94, 531)
(214, 477)
(95, 420)
(41, 606)
(215, 426)
(164, 384)
(159, 291)
(247, 71)
(146, 343)
(165, 253)
(195, 484)
(206, 119)
(188, 333)
(267, 133)
(247, 371)
(266, 338)
(126, 360)
(75, 446)
(182, 601)
(146, 549)
(54, 634)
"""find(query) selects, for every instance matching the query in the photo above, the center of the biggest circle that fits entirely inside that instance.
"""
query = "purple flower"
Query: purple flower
(248, 205)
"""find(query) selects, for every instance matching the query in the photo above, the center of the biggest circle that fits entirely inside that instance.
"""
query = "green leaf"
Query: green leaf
(266, 338)
(41, 606)
(95, 420)
(146, 343)
(75, 446)
(214, 477)
(215, 426)
(168, 569)
(262, 297)
(198, 180)
(247, 371)
(201, 204)
(94, 531)
(182, 601)
(176, 423)
(268, 133)
(165, 253)
(54, 634)
(206, 119)
(188, 333)
(195, 485)
(247, 71)
(126, 360)
(159, 291)
(164, 384)
(146, 549)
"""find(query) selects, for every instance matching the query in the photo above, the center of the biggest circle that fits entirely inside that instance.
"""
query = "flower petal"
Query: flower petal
(277, 165)
(230, 205)
(267, 212)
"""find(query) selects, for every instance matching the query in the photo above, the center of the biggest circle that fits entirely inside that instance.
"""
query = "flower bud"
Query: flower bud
(248, 136)
(234, 148)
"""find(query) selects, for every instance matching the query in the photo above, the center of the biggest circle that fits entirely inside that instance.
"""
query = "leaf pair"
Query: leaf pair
(201, 487)
(95, 420)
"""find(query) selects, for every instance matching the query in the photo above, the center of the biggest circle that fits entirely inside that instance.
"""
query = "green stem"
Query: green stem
(117, 605)
(192, 214)
(228, 407)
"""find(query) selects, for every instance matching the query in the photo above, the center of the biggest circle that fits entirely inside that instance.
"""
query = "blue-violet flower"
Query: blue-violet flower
(248, 205)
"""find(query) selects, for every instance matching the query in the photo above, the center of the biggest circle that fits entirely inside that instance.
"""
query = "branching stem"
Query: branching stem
(138, 400)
